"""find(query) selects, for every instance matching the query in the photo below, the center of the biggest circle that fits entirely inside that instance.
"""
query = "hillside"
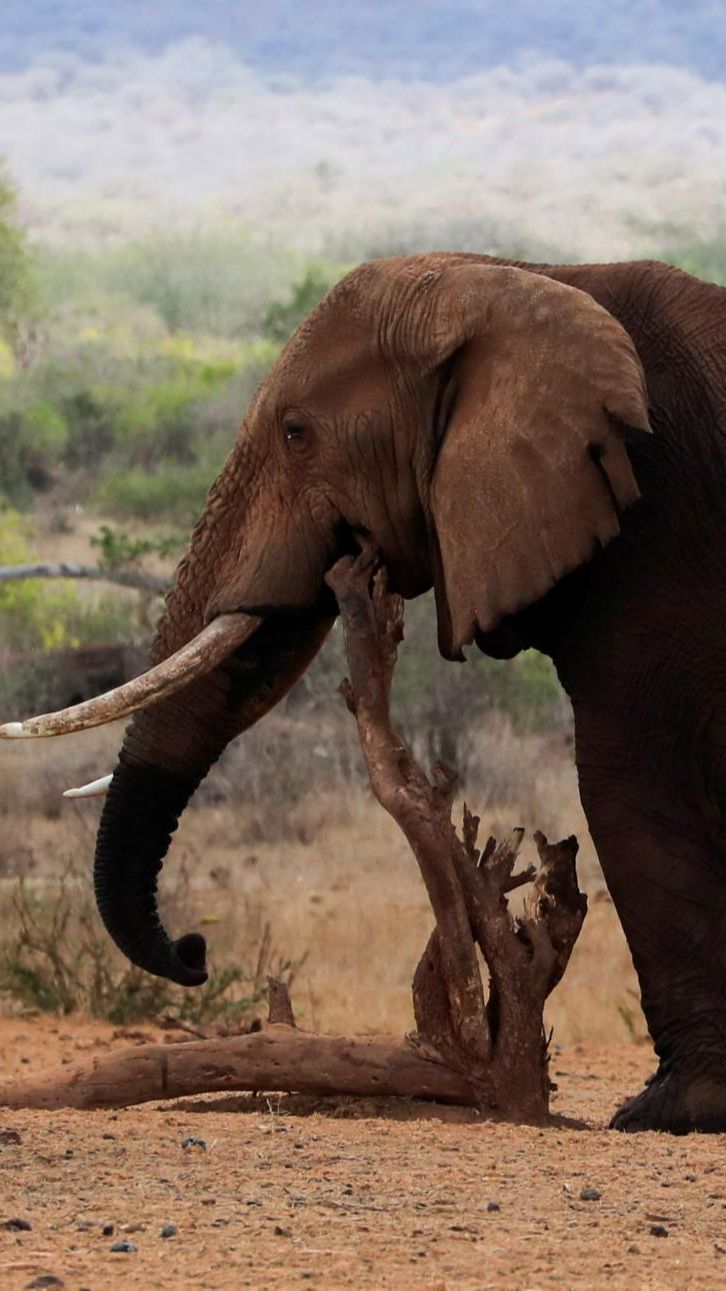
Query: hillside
(438, 40)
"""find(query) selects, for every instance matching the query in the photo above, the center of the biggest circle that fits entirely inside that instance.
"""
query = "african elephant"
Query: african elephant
(546, 446)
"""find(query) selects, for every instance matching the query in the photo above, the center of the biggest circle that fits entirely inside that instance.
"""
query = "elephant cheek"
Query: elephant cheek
(286, 576)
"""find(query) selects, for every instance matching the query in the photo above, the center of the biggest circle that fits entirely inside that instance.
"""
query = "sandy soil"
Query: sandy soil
(341, 1195)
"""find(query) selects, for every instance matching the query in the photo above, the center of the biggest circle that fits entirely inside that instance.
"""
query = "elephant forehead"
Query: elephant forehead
(329, 375)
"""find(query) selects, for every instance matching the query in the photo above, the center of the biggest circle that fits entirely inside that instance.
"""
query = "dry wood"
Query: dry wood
(279, 1004)
(120, 577)
(484, 1050)
(277, 1057)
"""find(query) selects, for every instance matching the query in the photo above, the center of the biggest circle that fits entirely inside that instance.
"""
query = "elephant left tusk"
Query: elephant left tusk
(214, 643)
(94, 788)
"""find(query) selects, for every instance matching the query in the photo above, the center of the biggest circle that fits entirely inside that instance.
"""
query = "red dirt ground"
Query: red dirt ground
(291, 1192)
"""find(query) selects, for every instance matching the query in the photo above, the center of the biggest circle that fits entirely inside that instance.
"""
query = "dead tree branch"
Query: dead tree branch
(121, 577)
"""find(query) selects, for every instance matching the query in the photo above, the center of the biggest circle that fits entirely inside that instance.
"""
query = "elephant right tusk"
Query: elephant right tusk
(94, 788)
(200, 655)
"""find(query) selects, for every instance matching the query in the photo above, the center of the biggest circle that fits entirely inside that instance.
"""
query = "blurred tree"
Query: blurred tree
(18, 298)
(282, 318)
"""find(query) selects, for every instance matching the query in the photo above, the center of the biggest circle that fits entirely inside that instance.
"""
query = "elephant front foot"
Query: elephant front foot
(677, 1103)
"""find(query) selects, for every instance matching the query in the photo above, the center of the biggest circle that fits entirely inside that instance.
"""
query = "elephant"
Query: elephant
(545, 446)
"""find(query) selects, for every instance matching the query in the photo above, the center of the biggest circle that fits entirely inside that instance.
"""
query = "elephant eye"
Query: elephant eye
(294, 430)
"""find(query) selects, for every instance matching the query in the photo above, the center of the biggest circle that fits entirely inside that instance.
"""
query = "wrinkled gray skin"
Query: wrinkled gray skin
(488, 428)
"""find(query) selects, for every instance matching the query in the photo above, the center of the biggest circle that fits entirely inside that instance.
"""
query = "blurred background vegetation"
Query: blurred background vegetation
(124, 372)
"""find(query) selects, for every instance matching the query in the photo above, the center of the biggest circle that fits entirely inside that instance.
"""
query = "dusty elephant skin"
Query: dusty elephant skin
(487, 427)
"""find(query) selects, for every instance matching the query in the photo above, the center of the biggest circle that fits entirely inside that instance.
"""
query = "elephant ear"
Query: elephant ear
(538, 381)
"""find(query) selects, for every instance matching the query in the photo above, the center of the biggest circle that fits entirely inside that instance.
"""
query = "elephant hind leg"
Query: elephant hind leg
(664, 861)
(676, 1102)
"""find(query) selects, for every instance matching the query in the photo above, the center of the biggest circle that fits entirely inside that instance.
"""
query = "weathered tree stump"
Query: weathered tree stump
(486, 1050)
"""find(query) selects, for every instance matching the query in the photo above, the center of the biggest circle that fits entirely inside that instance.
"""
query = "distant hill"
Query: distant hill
(433, 40)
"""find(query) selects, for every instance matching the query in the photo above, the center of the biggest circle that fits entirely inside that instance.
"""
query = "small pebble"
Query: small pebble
(107, 1230)
(44, 1280)
(279, 1231)
(194, 1143)
(169, 1230)
(127, 1248)
(590, 1194)
(633, 1249)
(492, 1206)
(9, 1136)
(17, 1225)
(658, 1230)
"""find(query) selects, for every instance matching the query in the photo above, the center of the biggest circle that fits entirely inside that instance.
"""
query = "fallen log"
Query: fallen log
(483, 1049)
(278, 1057)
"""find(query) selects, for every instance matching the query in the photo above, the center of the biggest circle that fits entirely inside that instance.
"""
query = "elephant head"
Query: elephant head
(466, 418)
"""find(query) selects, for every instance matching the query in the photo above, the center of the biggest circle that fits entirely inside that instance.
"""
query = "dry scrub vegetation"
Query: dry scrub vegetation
(288, 865)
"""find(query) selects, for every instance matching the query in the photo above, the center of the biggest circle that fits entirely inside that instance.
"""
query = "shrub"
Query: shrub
(282, 318)
(174, 492)
(704, 257)
(59, 959)
(18, 299)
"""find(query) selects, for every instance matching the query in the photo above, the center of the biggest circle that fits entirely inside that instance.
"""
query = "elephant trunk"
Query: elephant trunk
(167, 751)
(140, 815)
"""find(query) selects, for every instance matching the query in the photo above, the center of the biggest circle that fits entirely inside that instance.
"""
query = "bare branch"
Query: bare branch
(122, 578)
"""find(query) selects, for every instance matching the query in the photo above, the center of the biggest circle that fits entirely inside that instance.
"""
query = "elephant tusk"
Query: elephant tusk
(94, 788)
(200, 655)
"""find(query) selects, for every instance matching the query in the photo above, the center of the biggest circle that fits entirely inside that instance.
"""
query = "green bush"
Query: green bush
(282, 318)
(217, 282)
(706, 258)
(59, 959)
(36, 614)
(19, 303)
(173, 493)
(45, 431)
